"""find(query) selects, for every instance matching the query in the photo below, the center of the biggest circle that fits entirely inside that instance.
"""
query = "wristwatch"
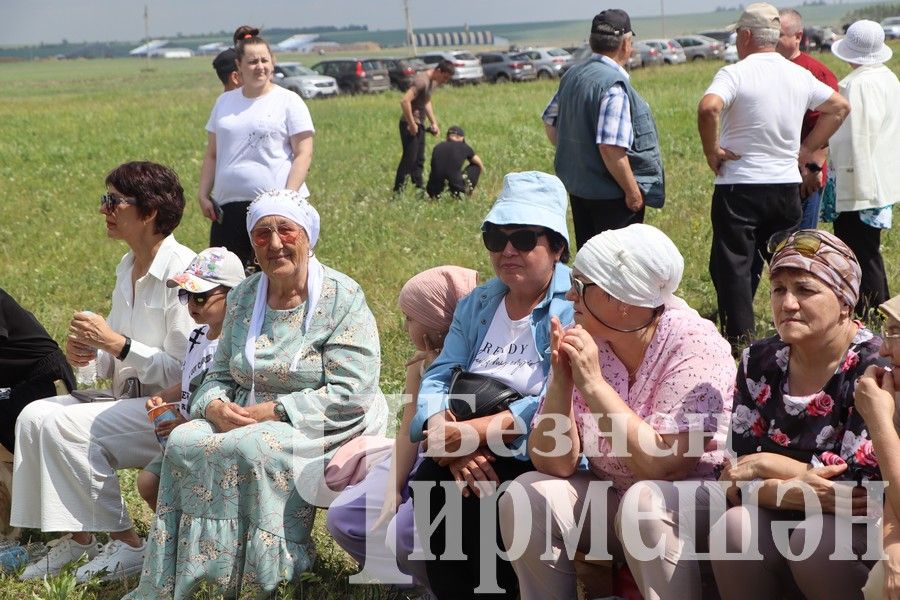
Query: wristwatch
(281, 413)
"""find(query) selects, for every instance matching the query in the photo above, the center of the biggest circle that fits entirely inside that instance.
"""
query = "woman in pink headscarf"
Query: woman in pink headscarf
(380, 506)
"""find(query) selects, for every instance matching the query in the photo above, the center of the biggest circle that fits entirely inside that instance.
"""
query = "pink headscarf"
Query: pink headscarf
(431, 296)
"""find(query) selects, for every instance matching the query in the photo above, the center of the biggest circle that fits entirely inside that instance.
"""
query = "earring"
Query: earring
(255, 261)
(309, 253)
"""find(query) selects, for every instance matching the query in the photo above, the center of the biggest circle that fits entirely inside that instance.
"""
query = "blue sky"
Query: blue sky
(50, 21)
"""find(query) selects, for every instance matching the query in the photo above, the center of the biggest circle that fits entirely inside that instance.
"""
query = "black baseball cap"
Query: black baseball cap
(224, 63)
(456, 130)
(613, 21)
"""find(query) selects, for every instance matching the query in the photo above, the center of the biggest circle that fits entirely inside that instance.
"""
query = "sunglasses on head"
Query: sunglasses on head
(262, 235)
(109, 203)
(523, 240)
(199, 298)
(806, 242)
(579, 286)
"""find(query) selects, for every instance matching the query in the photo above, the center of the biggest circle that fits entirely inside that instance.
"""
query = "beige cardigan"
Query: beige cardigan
(865, 154)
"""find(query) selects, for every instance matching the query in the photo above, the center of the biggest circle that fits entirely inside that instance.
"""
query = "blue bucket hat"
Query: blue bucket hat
(531, 198)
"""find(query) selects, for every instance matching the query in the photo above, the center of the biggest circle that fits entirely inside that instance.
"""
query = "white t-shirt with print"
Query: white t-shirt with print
(199, 356)
(765, 98)
(253, 142)
(508, 354)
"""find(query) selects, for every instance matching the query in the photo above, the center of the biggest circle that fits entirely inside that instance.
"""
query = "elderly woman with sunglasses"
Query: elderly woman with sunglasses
(641, 387)
(67, 452)
(499, 331)
(294, 376)
(794, 421)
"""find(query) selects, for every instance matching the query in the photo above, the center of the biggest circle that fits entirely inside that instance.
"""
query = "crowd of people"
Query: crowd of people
(551, 413)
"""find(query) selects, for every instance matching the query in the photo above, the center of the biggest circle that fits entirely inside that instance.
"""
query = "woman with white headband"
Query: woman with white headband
(643, 378)
(294, 376)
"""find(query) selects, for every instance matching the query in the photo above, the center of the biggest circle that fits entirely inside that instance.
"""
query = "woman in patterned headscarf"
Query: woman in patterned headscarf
(794, 421)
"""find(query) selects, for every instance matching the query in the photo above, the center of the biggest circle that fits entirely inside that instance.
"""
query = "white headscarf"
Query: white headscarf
(638, 265)
(293, 206)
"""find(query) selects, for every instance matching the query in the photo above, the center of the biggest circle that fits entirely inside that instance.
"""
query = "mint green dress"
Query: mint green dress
(236, 509)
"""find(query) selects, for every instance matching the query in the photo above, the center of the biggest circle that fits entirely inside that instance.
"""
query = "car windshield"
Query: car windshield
(892, 21)
(373, 64)
(296, 70)
(464, 56)
(557, 52)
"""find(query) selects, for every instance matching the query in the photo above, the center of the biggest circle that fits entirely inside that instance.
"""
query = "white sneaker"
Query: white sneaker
(115, 561)
(62, 551)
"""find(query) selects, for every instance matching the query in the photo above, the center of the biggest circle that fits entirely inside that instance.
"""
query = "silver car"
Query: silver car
(548, 62)
(304, 81)
(468, 67)
(891, 27)
(700, 47)
(671, 51)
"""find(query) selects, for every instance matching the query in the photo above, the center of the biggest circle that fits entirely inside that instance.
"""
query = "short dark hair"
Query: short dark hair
(601, 43)
(224, 64)
(554, 239)
(445, 66)
(247, 36)
(155, 187)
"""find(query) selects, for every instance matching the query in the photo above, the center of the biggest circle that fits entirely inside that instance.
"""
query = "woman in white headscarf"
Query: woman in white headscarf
(641, 386)
(294, 376)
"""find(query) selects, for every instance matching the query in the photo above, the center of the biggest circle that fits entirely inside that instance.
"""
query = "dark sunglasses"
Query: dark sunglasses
(806, 242)
(199, 299)
(523, 240)
(579, 286)
(109, 203)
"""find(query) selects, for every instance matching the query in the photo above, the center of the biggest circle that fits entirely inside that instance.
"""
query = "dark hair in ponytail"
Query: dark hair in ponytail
(247, 36)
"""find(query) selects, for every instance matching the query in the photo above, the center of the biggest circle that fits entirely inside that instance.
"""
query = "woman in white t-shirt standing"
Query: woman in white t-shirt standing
(260, 138)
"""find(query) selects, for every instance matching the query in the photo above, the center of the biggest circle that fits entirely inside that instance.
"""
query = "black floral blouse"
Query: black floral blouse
(820, 427)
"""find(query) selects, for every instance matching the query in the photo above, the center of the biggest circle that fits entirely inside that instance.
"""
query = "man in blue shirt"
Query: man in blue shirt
(612, 171)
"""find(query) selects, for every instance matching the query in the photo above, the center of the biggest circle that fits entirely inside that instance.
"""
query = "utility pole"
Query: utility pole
(662, 14)
(147, 36)
(410, 36)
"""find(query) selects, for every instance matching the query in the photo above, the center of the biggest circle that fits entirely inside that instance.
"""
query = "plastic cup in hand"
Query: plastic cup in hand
(161, 414)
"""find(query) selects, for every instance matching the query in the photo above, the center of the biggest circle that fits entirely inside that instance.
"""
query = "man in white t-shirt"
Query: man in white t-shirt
(749, 120)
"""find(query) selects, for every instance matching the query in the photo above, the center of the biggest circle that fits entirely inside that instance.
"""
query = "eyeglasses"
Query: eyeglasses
(109, 203)
(579, 286)
(807, 242)
(261, 236)
(889, 337)
(199, 299)
(523, 240)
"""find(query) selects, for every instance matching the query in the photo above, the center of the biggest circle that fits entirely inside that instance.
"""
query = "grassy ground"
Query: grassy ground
(64, 125)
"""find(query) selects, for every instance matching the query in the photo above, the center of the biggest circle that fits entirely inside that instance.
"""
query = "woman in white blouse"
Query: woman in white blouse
(67, 452)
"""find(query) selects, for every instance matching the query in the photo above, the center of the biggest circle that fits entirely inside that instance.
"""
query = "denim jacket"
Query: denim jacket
(471, 322)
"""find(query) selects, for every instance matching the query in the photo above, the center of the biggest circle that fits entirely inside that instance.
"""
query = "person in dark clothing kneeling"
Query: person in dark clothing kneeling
(447, 160)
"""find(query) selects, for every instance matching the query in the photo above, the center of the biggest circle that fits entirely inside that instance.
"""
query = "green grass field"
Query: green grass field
(65, 124)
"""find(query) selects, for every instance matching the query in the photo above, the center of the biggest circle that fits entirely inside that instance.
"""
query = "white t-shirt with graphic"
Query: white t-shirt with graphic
(253, 142)
(508, 354)
(199, 356)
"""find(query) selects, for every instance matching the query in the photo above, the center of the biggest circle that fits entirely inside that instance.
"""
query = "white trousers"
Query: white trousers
(66, 456)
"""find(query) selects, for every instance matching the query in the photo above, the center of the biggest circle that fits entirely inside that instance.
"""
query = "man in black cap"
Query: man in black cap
(611, 170)
(225, 65)
(447, 160)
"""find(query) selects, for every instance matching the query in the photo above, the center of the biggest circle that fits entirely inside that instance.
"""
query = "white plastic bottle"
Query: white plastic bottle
(87, 375)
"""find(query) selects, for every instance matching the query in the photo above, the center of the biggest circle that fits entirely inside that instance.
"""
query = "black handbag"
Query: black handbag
(490, 396)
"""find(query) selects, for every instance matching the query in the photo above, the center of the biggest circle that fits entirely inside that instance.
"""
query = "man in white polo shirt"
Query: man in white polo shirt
(750, 120)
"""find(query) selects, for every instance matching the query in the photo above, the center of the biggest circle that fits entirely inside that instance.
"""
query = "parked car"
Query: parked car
(468, 67)
(401, 71)
(891, 27)
(700, 47)
(355, 75)
(720, 35)
(650, 56)
(817, 38)
(304, 81)
(671, 51)
(548, 62)
(500, 67)
(730, 55)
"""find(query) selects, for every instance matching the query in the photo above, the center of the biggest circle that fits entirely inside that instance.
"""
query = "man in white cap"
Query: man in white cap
(750, 124)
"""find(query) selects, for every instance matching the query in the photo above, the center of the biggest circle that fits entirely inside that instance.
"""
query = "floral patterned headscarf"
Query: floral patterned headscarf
(825, 256)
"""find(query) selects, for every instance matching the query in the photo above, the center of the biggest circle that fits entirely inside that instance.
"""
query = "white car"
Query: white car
(304, 81)
(891, 27)
(468, 67)
(730, 55)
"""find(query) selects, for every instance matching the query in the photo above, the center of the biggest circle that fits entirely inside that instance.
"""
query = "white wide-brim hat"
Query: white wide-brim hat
(863, 45)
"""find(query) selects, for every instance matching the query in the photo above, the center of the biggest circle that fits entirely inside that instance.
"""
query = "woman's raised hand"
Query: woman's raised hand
(227, 415)
(874, 395)
(92, 330)
(559, 360)
(583, 357)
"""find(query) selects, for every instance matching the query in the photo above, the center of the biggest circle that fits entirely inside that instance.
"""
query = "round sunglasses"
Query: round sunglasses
(199, 298)
(523, 240)
(261, 236)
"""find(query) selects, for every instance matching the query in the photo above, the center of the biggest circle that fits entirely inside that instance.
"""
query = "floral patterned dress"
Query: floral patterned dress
(824, 425)
(236, 509)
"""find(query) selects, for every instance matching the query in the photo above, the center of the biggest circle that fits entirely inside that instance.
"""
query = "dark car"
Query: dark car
(402, 70)
(500, 68)
(356, 76)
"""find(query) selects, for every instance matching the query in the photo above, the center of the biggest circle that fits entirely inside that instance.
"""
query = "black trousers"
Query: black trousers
(462, 183)
(232, 232)
(457, 579)
(744, 217)
(594, 216)
(865, 241)
(412, 162)
(38, 383)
